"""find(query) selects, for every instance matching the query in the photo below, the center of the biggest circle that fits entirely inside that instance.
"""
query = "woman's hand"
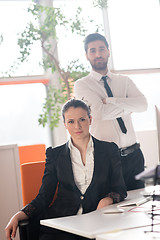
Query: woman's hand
(12, 226)
(104, 202)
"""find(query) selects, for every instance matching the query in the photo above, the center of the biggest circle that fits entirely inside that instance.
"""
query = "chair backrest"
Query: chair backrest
(32, 153)
(31, 179)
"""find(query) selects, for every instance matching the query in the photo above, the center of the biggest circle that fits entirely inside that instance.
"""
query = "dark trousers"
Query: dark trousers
(132, 164)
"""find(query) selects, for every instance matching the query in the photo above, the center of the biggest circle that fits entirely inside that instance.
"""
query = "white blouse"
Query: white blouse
(82, 173)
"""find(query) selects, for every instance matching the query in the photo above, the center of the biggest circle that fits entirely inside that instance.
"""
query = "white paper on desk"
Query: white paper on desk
(134, 202)
(113, 211)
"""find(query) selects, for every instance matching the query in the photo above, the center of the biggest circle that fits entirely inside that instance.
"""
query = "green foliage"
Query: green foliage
(76, 69)
(52, 108)
(42, 32)
(77, 25)
(100, 3)
(48, 64)
(42, 28)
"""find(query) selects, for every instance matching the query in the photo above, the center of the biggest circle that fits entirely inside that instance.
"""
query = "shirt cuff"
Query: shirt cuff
(115, 196)
(29, 210)
(111, 100)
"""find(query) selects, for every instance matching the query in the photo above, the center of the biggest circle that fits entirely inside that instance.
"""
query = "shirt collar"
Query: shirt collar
(97, 76)
(71, 146)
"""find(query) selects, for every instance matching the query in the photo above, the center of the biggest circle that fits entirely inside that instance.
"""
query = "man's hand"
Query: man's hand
(104, 100)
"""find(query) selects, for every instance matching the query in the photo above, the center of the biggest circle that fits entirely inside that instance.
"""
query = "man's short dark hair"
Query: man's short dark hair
(94, 37)
(76, 104)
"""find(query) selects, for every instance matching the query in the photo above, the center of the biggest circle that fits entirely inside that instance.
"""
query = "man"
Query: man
(112, 99)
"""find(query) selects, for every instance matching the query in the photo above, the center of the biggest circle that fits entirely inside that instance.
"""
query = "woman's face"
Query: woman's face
(77, 123)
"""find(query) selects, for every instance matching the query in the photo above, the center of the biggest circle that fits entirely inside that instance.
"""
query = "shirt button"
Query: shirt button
(81, 197)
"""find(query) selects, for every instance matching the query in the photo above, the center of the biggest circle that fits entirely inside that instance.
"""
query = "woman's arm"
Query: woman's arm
(104, 202)
(12, 225)
(43, 199)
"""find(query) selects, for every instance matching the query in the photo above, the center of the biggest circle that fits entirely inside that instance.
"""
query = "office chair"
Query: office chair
(29, 230)
(31, 178)
(32, 153)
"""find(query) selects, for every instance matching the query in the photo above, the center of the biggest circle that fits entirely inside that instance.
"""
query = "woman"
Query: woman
(87, 171)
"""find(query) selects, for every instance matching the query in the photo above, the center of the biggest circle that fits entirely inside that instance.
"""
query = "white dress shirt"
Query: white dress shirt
(126, 99)
(82, 173)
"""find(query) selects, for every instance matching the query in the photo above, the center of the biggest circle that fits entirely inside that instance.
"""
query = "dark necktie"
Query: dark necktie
(109, 93)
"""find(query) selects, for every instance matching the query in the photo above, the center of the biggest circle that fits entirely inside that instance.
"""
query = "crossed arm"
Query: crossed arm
(108, 108)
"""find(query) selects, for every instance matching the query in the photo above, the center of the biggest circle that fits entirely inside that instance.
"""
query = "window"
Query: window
(149, 84)
(13, 19)
(134, 38)
(135, 44)
(20, 107)
(20, 104)
(134, 33)
(70, 46)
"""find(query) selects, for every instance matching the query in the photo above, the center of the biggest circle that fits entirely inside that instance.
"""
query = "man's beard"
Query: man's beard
(100, 66)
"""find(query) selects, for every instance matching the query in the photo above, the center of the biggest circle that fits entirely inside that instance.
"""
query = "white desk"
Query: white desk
(95, 223)
(133, 234)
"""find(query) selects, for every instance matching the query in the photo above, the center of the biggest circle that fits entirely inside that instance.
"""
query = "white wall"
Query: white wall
(149, 145)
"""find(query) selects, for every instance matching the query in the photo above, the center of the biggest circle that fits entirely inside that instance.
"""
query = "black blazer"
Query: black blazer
(107, 178)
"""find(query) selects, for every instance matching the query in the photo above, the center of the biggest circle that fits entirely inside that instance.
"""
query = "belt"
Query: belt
(125, 151)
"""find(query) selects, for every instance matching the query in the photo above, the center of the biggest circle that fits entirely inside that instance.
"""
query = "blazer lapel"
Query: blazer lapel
(99, 155)
(67, 166)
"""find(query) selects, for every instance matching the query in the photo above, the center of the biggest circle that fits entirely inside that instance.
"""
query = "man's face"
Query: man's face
(98, 55)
